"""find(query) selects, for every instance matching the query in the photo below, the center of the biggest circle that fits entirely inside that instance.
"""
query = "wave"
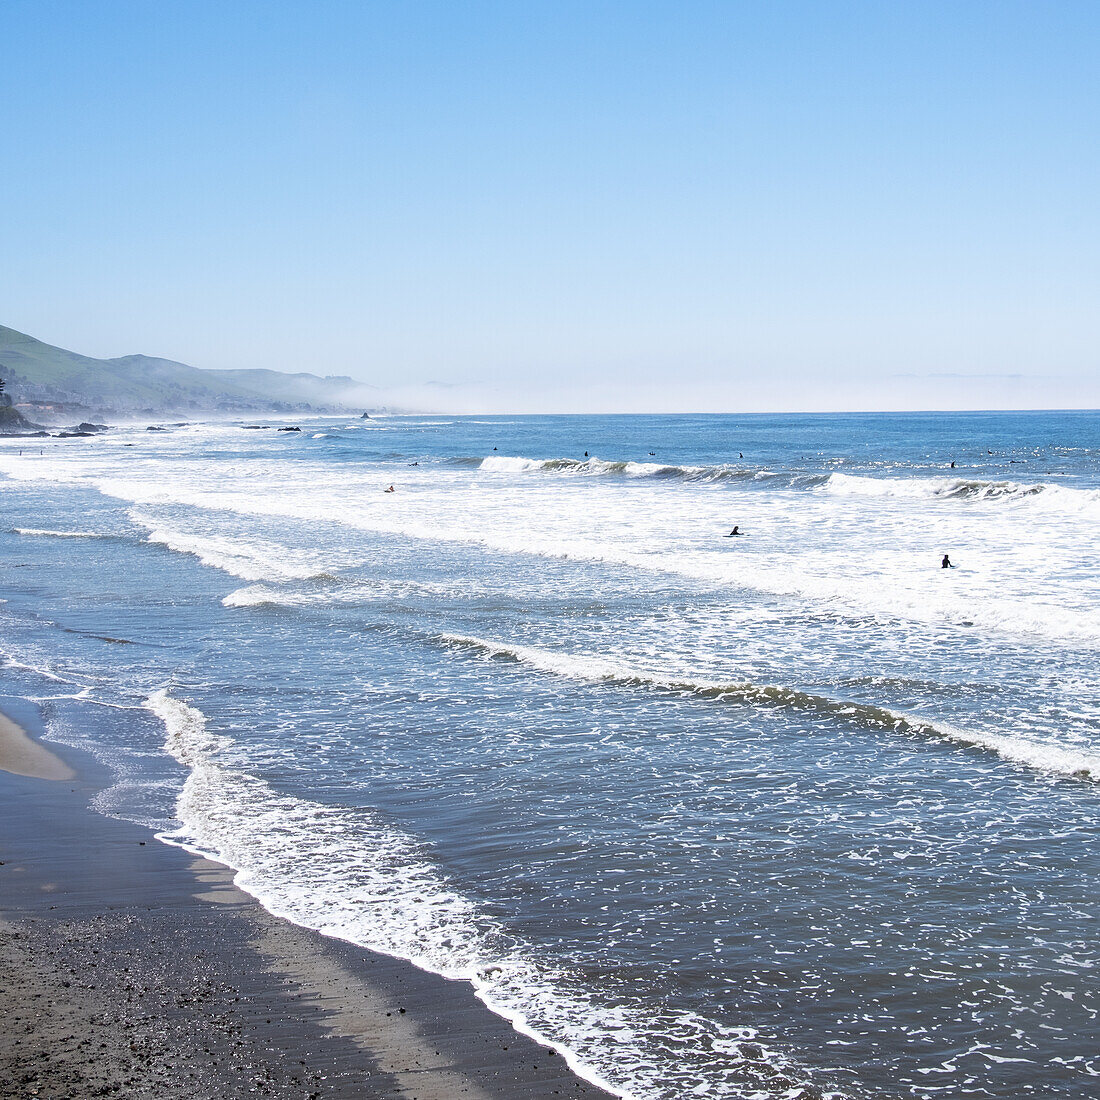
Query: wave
(42, 533)
(1076, 763)
(1017, 608)
(9, 660)
(835, 591)
(255, 595)
(929, 488)
(253, 560)
(331, 590)
(1017, 611)
(914, 488)
(262, 595)
(345, 873)
(1044, 497)
(598, 467)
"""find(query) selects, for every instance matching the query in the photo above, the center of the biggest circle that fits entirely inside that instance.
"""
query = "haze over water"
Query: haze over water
(791, 813)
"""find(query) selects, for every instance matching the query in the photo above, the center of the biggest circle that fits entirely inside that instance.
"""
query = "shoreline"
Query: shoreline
(20, 754)
(143, 971)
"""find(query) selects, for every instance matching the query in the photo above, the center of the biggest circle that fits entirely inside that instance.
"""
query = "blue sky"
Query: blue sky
(567, 206)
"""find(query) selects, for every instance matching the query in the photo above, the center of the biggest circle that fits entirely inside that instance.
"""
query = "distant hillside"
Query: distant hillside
(45, 376)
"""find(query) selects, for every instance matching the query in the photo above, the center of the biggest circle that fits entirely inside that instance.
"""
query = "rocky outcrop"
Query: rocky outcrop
(12, 421)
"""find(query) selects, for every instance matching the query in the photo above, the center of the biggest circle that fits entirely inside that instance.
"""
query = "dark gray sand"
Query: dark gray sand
(129, 968)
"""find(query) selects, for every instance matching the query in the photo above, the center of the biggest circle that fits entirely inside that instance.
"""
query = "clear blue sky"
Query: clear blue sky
(567, 206)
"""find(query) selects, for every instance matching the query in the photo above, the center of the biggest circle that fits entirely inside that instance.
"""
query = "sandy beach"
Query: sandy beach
(22, 755)
(133, 969)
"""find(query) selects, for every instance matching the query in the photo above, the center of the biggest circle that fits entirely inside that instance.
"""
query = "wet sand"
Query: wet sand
(132, 969)
(22, 755)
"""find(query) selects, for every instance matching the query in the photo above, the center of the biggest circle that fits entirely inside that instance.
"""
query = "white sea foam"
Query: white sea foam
(828, 581)
(346, 874)
(639, 540)
(41, 533)
(917, 488)
(1074, 762)
(265, 595)
(511, 465)
(1002, 591)
(254, 595)
(1043, 496)
(44, 670)
(1037, 494)
(1054, 497)
(599, 467)
(251, 560)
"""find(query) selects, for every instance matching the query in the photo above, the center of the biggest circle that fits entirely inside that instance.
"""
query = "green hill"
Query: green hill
(41, 375)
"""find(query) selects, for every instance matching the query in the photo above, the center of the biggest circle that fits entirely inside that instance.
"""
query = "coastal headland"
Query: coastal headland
(132, 968)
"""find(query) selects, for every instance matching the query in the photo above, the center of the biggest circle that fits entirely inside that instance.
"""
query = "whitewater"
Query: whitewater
(796, 811)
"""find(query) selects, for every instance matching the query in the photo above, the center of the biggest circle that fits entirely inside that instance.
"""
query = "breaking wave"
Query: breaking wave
(253, 560)
(347, 874)
(41, 533)
(838, 484)
(921, 488)
(1045, 757)
(598, 467)
(255, 595)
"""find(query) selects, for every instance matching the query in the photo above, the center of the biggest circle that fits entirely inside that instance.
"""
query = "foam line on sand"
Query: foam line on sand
(134, 969)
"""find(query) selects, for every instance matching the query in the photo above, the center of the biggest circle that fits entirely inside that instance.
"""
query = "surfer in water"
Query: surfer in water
(735, 531)
(391, 489)
(946, 563)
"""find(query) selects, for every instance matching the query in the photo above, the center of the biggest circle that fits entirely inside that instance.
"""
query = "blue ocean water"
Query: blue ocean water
(795, 812)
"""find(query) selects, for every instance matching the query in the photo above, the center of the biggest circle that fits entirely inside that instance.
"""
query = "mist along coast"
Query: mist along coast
(441, 756)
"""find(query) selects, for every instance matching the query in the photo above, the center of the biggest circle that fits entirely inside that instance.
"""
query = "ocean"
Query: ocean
(796, 812)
